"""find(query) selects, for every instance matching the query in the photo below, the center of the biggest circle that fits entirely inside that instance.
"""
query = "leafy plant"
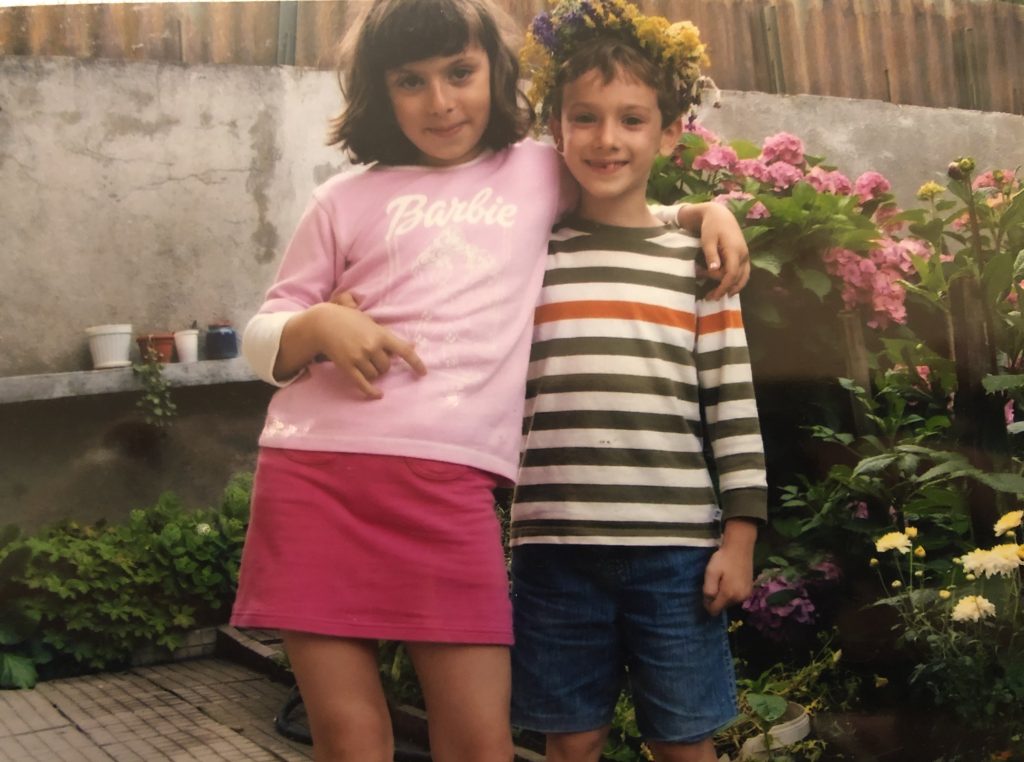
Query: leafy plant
(88, 596)
(962, 623)
(156, 402)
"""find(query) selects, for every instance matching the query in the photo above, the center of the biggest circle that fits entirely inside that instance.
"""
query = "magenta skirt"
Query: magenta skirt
(373, 546)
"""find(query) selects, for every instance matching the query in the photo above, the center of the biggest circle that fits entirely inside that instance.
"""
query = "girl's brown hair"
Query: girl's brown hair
(609, 57)
(393, 33)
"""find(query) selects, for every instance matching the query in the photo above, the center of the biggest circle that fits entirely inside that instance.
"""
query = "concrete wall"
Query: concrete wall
(159, 194)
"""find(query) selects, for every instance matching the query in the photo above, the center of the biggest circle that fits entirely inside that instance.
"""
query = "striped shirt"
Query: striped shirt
(631, 376)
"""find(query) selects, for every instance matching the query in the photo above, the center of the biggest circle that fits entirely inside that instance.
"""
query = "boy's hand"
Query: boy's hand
(729, 576)
(725, 249)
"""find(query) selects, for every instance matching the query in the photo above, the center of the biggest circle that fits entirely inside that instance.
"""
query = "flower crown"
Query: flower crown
(553, 38)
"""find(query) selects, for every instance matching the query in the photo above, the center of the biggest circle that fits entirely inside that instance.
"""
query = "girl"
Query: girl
(372, 508)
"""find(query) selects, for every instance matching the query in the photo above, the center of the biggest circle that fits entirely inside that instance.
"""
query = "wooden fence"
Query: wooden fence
(961, 53)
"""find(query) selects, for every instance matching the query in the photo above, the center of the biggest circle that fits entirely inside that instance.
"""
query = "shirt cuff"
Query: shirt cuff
(746, 503)
(667, 215)
(261, 342)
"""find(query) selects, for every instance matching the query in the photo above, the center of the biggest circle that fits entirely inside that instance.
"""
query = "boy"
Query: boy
(619, 564)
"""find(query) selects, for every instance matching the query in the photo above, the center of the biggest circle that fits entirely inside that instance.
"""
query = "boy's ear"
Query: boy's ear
(555, 126)
(670, 136)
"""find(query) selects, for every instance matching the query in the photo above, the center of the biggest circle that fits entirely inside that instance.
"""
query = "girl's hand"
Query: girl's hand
(357, 345)
(725, 249)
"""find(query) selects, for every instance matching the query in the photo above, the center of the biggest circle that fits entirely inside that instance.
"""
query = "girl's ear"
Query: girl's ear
(555, 126)
(670, 136)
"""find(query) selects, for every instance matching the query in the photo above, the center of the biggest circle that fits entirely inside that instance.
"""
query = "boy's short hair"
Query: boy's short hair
(392, 33)
(611, 57)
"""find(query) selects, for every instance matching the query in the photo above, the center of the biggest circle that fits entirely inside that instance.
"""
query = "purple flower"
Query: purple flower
(544, 31)
(776, 604)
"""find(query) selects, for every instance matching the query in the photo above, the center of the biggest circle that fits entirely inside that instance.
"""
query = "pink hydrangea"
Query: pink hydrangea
(1000, 179)
(755, 169)
(783, 176)
(757, 211)
(1008, 414)
(716, 158)
(783, 147)
(871, 185)
(702, 132)
(834, 182)
(873, 281)
(860, 510)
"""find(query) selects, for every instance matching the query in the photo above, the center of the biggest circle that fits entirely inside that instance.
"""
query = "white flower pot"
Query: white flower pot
(793, 726)
(110, 345)
(187, 344)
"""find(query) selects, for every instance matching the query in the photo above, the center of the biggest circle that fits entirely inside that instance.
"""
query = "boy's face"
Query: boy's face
(443, 104)
(610, 134)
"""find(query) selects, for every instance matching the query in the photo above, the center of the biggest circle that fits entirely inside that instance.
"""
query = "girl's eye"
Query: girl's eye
(583, 118)
(461, 74)
(408, 82)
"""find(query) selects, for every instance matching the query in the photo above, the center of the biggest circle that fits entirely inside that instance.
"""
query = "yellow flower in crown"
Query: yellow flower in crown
(555, 36)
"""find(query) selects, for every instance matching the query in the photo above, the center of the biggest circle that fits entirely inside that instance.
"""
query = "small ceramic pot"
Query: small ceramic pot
(221, 342)
(163, 343)
(187, 344)
(110, 345)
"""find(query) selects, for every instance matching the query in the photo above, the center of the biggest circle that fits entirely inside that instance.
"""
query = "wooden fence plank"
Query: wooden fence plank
(967, 53)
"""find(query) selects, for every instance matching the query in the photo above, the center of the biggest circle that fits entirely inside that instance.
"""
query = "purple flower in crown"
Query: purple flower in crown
(544, 31)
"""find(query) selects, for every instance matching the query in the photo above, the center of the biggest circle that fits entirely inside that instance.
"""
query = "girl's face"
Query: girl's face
(442, 104)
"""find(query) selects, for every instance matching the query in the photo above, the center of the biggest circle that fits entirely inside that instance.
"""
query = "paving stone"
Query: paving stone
(27, 711)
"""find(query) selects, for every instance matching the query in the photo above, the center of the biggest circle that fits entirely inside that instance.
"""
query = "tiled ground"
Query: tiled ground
(201, 710)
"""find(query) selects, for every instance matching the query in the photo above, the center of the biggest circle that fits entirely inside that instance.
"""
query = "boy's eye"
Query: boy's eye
(632, 121)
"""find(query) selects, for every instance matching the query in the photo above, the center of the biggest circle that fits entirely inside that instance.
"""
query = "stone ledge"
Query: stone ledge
(50, 386)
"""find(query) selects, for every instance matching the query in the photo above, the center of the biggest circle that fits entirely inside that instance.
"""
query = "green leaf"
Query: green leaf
(814, 281)
(790, 528)
(1008, 382)
(1015, 428)
(874, 464)
(745, 149)
(17, 671)
(781, 597)
(1003, 482)
(769, 262)
(767, 706)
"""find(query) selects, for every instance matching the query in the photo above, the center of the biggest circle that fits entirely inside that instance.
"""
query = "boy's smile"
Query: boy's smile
(443, 104)
(610, 134)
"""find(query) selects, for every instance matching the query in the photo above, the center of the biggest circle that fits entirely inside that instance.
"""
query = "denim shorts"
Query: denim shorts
(590, 620)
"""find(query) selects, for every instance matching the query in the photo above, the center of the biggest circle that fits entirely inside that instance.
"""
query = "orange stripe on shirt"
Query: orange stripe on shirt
(719, 321)
(648, 313)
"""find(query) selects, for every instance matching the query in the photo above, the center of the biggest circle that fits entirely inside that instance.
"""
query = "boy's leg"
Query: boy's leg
(341, 690)
(567, 660)
(466, 690)
(576, 747)
(680, 668)
(702, 751)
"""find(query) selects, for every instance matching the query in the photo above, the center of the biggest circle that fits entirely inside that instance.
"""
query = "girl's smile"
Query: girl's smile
(443, 104)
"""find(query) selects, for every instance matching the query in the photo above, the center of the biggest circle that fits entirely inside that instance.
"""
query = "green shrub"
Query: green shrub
(77, 597)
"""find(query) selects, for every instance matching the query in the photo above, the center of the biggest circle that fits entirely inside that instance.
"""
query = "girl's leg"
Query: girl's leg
(576, 747)
(466, 689)
(340, 686)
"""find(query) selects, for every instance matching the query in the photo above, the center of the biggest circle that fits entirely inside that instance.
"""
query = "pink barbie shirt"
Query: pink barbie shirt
(450, 259)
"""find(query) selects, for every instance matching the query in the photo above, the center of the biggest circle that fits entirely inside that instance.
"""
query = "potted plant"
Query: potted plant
(155, 402)
(110, 345)
(161, 343)
(186, 343)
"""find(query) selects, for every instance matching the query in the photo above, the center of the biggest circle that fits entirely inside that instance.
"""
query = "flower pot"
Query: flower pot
(110, 345)
(187, 344)
(163, 343)
(793, 726)
(221, 342)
